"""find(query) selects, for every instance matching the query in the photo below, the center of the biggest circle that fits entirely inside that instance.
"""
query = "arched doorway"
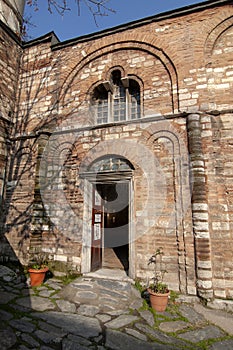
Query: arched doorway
(110, 208)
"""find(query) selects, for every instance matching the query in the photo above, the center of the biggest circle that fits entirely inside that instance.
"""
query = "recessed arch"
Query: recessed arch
(113, 68)
(111, 162)
(131, 45)
(215, 34)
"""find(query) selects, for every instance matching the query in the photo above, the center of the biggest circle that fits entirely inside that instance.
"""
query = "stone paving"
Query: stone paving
(94, 313)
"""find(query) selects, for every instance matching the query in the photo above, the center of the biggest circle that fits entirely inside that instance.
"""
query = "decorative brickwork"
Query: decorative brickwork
(179, 180)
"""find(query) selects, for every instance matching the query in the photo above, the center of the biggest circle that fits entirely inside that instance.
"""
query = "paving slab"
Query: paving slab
(46, 293)
(22, 325)
(48, 337)
(136, 334)
(220, 318)
(136, 304)
(6, 297)
(8, 338)
(88, 310)
(82, 284)
(36, 303)
(66, 306)
(22, 347)
(208, 332)
(121, 321)
(54, 285)
(103, 318)
(221, 304)
(71, 345)
(120, 341)
(103, 322)
(174, 326)
(5, 316)
(51, 329)
(192, 316)
(7, 274)
(86, 295)
(114, 286)
(224, 344)
(148, 317)
(72, 323)
(26, 338)
(156, 334)
(79, 340)
(112, 274)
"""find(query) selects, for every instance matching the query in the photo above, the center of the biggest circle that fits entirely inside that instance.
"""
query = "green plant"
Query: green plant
(37, 266)
(157, 285)
(138, 285)
(38, 260)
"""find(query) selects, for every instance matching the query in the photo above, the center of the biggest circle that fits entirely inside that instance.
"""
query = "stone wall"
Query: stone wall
(10, 52)
(180, 149)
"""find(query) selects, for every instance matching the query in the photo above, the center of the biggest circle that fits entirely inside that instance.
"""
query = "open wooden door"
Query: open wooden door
(97, 228)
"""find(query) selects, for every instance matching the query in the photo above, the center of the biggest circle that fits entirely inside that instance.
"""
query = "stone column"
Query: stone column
(200, 214)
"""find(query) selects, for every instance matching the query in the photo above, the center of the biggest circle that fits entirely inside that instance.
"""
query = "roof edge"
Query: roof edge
(11, 33)
(155, 18)
(49, 37)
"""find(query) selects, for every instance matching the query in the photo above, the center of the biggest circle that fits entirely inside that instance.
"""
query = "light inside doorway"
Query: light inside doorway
(115, 241)
(110, 212)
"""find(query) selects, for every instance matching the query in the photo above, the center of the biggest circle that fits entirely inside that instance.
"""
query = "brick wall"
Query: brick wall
(10, 52)
(181, 192)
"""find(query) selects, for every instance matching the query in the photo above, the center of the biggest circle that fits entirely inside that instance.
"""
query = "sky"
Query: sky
(73, 25)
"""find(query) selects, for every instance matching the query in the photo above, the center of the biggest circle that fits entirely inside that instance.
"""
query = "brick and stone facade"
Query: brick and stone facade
(179, 186)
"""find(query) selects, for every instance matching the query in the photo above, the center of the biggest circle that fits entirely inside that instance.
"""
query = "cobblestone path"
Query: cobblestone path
(92, 313)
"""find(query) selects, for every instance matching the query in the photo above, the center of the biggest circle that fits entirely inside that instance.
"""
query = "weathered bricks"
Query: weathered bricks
(181, 192)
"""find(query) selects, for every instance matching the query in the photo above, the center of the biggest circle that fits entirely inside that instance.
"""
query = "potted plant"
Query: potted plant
(158, 290)
(37, 269)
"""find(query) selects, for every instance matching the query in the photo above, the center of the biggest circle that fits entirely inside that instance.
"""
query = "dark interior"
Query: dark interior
(116, 224)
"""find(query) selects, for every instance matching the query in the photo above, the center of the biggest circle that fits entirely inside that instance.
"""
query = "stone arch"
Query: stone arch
(182, 201)
(215, 34)
(107, 159)
(109, 72)
(52, 187)
(123, 45)
(216, 46)
(135, 153)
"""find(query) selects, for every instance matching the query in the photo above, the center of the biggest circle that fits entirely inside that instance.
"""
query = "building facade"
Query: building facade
(117, 143)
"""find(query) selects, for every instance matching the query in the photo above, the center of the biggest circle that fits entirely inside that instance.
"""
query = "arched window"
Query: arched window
(117, 99)
(110, 163)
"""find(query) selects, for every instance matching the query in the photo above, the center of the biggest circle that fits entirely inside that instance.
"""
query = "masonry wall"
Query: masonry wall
(10, 52)
(184, 138)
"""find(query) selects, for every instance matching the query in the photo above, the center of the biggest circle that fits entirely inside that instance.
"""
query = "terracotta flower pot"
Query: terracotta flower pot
(158, 301)
(37, 276)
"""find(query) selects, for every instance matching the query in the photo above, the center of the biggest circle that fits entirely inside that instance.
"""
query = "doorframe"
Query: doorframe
(90, 180)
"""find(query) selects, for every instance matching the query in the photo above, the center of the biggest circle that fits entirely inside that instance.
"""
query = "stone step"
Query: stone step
(101, 292)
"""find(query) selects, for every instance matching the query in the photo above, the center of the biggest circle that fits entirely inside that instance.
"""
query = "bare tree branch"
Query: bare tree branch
(96, 7)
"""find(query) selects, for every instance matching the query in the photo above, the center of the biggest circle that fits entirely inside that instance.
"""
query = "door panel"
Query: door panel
(97, 227)
(116, 226)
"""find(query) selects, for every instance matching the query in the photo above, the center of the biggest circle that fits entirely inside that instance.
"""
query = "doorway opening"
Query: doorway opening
(108, 211)
(110, 248)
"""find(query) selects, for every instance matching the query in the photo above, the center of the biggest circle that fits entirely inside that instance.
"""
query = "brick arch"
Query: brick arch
(124, 45)
(109, 72)
(215, 34)
(105, 148)
(182, 201)
(133, 153)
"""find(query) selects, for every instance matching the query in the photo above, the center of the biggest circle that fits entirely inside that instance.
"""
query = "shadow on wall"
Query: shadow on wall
(29, 316)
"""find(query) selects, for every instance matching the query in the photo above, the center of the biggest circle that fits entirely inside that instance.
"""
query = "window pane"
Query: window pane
(100, 102)
(134, 93)
(110, 163)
